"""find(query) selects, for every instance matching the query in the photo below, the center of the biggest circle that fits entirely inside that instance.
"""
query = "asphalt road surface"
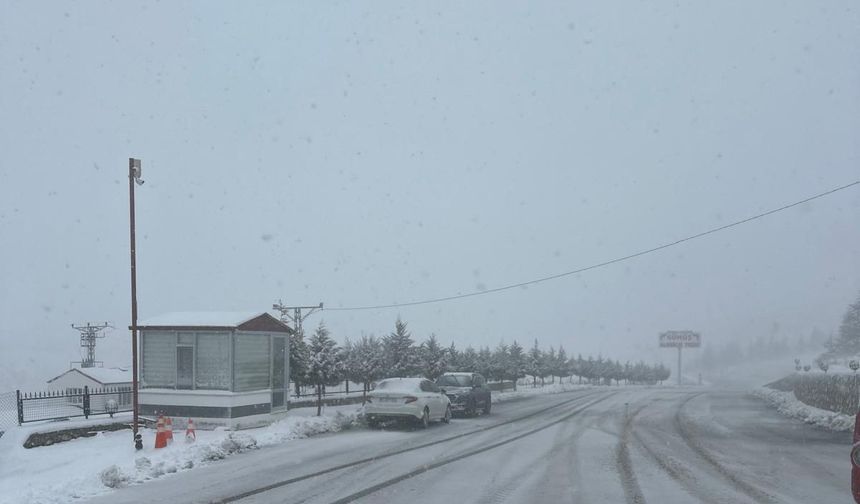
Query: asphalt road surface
(605, 445)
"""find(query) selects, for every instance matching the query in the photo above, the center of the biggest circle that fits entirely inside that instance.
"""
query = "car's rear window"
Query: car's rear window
(398, 386)
(454, 381)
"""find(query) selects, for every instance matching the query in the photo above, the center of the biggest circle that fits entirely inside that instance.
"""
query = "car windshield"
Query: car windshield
(454, 381)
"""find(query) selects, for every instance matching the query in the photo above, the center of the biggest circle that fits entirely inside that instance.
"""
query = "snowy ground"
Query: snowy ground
(602, 445)
(787, 404)
(92, 466)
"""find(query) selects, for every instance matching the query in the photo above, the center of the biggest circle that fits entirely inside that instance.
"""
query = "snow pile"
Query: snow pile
(87, 467)
(528, 390)
(787, 404)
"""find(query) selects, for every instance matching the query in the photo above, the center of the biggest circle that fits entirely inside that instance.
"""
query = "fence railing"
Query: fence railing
(8, 410)
(69, 403)
(308, 391)
(343, 388)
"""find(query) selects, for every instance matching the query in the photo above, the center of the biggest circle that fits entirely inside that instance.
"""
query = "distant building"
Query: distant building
(74, 380)
(221, 369)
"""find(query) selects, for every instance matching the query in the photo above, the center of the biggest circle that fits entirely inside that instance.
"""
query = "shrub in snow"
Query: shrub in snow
(113, 477)
(162, 468)
(236, 442)
(142, 464)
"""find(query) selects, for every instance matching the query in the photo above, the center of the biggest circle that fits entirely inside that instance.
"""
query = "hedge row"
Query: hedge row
(834, 392)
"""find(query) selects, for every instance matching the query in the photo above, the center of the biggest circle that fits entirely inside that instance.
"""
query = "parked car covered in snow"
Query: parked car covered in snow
(468, 392)
(414, 399)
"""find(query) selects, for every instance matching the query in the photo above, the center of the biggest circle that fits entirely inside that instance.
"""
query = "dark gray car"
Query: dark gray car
(468, 392)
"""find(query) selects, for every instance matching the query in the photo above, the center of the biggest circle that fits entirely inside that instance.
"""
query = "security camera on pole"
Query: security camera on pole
(679, 340)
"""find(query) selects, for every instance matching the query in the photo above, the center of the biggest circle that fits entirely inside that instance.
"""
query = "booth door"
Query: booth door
(280, 383)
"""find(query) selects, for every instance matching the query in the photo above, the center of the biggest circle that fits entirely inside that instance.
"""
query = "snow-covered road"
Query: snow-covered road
(594, 446)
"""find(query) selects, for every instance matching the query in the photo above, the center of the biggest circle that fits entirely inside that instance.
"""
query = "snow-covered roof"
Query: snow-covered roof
(200, 319)
(105, 376)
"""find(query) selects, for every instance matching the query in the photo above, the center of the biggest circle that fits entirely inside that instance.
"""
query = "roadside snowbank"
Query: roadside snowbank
(787, 404)
(528, 390)
(91, 466)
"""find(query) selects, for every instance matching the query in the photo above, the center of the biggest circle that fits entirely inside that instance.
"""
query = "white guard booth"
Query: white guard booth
(226, 369)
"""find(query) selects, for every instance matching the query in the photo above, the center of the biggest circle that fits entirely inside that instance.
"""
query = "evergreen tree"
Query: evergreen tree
(589, 369)
(369, 361)
(579, 367)
(549, 365)
(298, 360)
(516, 363)
(485, 361)
(433, 358)
(561, 365)
(363, 362)
(499, 363)
(534, 363)
(400, 354)
(848, 342)
(469, 360)
(324, 364)
(453, 358)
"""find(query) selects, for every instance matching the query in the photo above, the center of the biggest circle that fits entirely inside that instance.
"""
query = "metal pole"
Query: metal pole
(20, 407)
(679, 365)
(133, 304)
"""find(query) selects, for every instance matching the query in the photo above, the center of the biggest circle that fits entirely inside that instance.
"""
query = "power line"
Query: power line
(601, 264)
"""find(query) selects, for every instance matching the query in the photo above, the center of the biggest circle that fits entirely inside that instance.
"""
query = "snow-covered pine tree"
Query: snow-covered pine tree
(499, 363)
(516, 363)
(298, 360)
(400, 353)
(485, 361)
(548, 366)
(433, 358)
(453, 358)
(469, 360)
(323, 361)
(368, 362)
(848, 343)
(534, 363)
(562, 367)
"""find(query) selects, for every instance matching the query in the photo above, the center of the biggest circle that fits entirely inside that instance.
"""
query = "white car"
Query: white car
(413, 399)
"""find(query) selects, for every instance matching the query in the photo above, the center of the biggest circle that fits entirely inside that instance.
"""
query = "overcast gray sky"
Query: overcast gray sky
(376, 152)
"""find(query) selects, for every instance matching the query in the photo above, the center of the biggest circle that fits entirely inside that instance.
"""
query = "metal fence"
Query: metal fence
(341, 389)
(8, 410)
(72, 402)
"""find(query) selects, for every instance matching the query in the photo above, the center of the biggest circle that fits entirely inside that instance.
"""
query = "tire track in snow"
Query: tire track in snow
(429, 467)
(673, 468)
(567, 469)
(348, 465)
(624, 465)
(687, 433)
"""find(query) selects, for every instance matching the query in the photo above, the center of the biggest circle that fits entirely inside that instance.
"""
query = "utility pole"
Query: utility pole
(296, 318)
(89, 334)
(134, 174)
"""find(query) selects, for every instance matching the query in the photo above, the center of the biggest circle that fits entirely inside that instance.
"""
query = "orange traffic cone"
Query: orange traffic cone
(168, 426)
(190, 434)
(160, 434)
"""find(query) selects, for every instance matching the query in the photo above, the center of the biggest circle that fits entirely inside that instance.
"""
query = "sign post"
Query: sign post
(679, 340)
